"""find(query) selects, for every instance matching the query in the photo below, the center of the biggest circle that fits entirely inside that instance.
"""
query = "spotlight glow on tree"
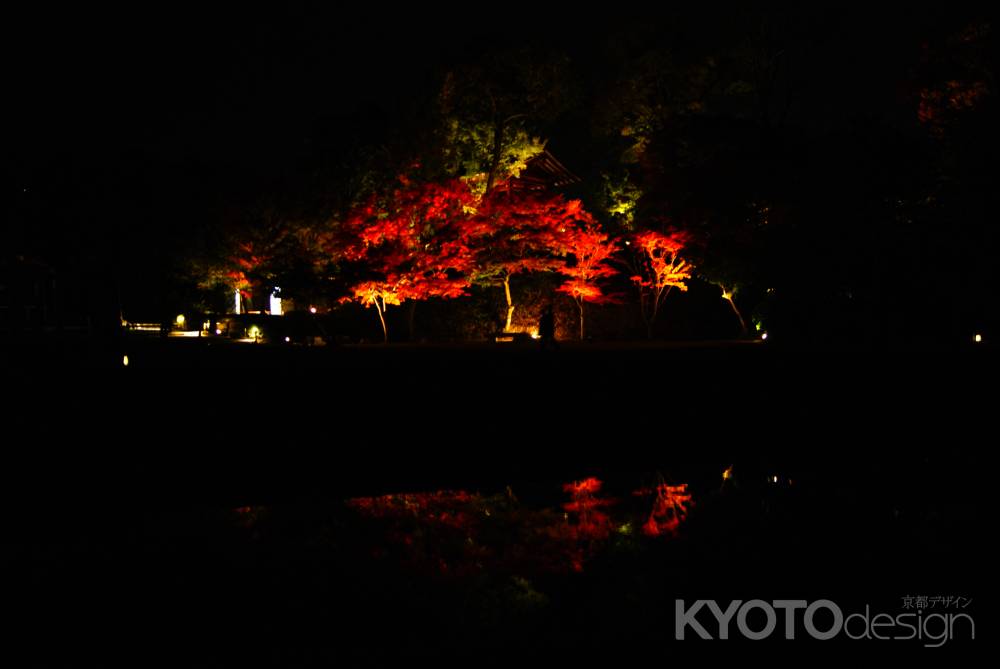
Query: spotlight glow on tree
(517, 232)
(244, 263)
(592, 522)
(589, 251)
(413, 245)
(727, 295)
(659, 269)
(670, 508)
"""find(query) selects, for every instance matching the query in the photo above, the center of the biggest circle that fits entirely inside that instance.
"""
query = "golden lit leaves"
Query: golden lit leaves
(660, 265)
(590, 251)
(413, 241)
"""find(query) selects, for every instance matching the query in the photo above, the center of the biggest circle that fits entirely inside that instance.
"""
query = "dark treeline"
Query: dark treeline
(833, 168)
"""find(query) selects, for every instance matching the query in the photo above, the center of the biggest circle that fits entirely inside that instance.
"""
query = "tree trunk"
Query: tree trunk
(498, 130)
(659, 297)
(495, 158)
(579, 304)
(743, 325)
(380, 308)
(510, 304)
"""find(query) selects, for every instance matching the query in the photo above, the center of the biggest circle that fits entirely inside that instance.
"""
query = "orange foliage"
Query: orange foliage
(592, 523)
(661, 265)
(669, 509)
(590, 250)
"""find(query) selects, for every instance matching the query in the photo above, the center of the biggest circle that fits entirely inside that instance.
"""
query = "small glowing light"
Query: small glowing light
(763, 336)
(125, 360)
(978, 338)
(774, 479)
(288, 339)
(726, 295)
(237, 303)
(534, 334)
(312, 310)
(218, 331)
(180, 319)
(727, 473)
(628, 243)
(254, 332)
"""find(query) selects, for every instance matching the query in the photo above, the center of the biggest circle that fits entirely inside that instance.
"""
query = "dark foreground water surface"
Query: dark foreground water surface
(484, 505)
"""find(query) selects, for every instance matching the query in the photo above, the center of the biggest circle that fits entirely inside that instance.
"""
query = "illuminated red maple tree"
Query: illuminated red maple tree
(460, 534)
(592, 523)
(438, 530)
(244, 263)
(669, 509)
(411, 245)
(658, 269)
(589, 251)
(239, 270)
(519, 231)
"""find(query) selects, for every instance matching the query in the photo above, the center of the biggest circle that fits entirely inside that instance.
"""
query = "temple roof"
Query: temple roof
(543, 172)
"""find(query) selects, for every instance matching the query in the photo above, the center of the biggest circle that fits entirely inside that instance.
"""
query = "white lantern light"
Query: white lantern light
(275, 302)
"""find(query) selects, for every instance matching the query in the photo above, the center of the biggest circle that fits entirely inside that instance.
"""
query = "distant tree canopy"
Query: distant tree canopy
(789, 187)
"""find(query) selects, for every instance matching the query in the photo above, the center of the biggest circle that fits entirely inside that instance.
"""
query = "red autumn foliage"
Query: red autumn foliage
(456, 533)
(245, 262)
(669, 509)
(658, 269)
(942, 104)
(520, 231)
(591, 521)
(584, 488)
(661, 265)
(446, 507)
(433, 239)
(523, 231)
(430, 530)
(414, 244)
(589, 251)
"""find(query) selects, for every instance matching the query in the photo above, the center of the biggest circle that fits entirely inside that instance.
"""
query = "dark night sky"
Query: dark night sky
(212, 86)
(237, 85)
